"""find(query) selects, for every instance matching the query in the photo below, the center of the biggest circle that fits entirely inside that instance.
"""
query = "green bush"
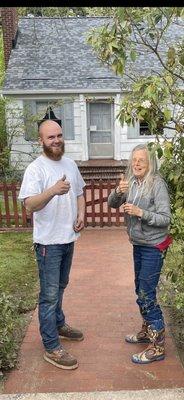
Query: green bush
(11, 327)
(174, 273)
(172, 169)
(18, 292)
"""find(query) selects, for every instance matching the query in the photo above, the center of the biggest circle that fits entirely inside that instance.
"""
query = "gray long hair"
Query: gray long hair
(152, 169)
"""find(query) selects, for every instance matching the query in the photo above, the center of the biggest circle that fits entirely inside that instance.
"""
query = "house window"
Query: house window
(144, 129)
(35, 111)
(141, 129)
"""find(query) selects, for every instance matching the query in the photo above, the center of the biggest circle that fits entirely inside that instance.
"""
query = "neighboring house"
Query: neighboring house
(51, 64)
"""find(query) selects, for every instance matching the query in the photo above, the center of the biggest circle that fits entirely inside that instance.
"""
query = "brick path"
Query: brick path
(100, 300)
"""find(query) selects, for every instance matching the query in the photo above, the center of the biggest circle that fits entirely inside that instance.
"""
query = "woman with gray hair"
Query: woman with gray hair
(146, 204)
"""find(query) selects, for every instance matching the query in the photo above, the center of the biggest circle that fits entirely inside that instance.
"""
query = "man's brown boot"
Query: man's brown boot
(68, 333)
(61, 358)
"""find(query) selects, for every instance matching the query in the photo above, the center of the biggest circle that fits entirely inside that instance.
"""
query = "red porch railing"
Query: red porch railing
(13, 214)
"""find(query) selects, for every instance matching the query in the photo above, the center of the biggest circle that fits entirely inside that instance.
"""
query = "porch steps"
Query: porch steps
(102, 169)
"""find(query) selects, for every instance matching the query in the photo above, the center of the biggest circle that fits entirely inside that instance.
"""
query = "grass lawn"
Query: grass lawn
(19, 287)
(18, 268)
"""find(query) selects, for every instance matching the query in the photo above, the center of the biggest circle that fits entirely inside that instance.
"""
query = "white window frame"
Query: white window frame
(66, 115)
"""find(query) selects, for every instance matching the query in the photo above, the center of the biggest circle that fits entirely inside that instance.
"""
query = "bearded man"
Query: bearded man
(52, 188)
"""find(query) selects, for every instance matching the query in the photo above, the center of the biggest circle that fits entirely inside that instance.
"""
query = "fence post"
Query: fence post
(15, 208)
(85, 214)
(6, 203)
(101, 202)
(93, 203)
(109, 187)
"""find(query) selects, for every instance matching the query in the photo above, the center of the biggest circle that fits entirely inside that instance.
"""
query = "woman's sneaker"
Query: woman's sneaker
(69, 333)
(61, 358)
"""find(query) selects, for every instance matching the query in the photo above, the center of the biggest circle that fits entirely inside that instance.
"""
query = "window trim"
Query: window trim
(31, 124)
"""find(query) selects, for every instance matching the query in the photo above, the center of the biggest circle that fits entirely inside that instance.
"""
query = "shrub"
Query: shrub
(10, 331)
(172, 169)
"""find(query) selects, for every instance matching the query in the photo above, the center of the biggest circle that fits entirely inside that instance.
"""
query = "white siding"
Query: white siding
(23, 151)
(117, 129)
(126, 144)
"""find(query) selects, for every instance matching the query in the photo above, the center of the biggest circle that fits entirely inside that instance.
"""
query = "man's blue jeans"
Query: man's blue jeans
(54, 263)
(148, 262)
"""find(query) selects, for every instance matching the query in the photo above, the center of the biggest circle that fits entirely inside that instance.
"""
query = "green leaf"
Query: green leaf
(152, 35)
(171, 54)
(159, 152)
(158, 18)
(181, 59)
(133, 55)
(167, 114)
(169, 79)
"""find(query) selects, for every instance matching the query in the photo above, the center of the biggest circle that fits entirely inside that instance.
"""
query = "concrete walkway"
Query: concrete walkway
(154, 394)
(99, 300)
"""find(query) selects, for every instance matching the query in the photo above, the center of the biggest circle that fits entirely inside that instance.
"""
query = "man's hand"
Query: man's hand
(37, 202)
(131, 209)
(61, 186)
(79, 224)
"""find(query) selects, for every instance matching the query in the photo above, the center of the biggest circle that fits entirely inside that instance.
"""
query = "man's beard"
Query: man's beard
(54, 155)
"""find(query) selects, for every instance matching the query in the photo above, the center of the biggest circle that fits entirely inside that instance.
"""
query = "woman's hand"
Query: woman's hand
(123, 185)
(131, 209)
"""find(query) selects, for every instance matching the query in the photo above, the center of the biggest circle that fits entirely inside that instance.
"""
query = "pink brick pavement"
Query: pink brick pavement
(99, 300)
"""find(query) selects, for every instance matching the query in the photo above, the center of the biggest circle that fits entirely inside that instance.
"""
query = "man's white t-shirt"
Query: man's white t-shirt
(54, 223)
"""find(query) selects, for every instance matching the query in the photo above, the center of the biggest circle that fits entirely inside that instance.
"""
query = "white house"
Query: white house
(51, 64)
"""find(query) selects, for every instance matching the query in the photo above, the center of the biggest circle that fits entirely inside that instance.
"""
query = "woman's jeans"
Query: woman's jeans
(54, 263)
(148, 262)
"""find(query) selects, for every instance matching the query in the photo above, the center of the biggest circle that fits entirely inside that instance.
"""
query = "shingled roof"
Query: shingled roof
(51, 54)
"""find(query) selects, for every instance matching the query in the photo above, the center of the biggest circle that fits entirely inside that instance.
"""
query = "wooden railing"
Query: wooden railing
(97, 211)
(13, 214)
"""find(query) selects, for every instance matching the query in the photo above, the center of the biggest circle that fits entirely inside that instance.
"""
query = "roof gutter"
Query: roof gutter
(58, 91)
